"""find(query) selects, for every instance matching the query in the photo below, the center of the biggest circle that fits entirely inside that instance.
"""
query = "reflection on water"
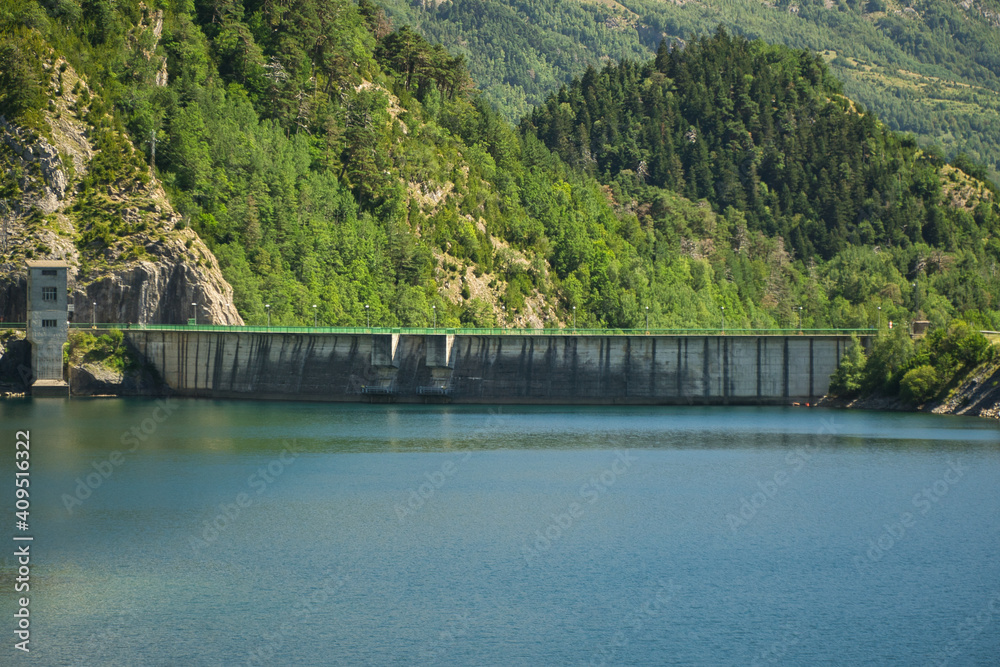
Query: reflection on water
(209, 532)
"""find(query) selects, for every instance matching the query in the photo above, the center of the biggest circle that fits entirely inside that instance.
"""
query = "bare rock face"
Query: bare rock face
(13, 291)
(34, 150)
(161, 292)
(92, 379)
(15, 364)
(148, 269)
(978, 395)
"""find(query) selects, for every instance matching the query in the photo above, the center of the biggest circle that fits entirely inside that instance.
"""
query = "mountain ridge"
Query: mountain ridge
(343, 172)
(929, 67)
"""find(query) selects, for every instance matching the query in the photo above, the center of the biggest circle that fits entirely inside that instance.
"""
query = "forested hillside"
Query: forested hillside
(930, 67)
(330, 158)
(764, 134)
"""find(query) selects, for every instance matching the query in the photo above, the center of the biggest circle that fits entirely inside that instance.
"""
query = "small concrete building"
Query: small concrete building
(48, 326)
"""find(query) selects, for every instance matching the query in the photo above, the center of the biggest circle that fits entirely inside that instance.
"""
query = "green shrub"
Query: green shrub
(847, 379)
(108, 349)
(889, 356)
(919, 385)
(478, 313)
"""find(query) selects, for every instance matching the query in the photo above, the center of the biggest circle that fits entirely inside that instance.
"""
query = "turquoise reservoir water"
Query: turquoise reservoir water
(228, 533)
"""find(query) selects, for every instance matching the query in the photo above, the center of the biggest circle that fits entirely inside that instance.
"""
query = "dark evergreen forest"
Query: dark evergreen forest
(927, 67)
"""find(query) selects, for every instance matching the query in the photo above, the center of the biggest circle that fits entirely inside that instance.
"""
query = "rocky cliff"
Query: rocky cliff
(15, 363)
(978, 395)
(131, 257)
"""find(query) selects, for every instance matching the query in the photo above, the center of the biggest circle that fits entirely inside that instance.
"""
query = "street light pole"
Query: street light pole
(3, 236)
(93, 315)
(434, 309)
(800, 319)
(723, 320)
(315, 316)
(194, 311)
(268, 306)
(368, 319)
(880, 318)
(574, 318)
(647, 319)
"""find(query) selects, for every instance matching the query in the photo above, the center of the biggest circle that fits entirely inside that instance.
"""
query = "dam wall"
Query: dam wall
(510, 368)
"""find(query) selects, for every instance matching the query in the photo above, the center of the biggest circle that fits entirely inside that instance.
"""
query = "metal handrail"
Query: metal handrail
(470, 331)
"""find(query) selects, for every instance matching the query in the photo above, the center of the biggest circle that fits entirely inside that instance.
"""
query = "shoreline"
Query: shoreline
(976, 395)
(984, 404)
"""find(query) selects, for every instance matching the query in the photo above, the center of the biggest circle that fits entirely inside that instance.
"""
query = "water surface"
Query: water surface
(317, 534)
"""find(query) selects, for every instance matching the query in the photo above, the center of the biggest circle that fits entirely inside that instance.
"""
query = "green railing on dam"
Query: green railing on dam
(496, 331)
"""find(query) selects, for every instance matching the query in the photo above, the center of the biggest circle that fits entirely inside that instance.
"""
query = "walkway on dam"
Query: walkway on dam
(462, 331)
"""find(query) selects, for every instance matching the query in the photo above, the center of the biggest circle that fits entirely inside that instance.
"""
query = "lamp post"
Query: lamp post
(3, 233)
(122, 289)
(194, 312)
(916, 301)
(93, 315)
(800, 319)
(503, 315)
(315, 316)
(723, 320)
(574, 318)
(368, 319)
(647, 319)
(880, 318)
(434, 309)
(268, 306)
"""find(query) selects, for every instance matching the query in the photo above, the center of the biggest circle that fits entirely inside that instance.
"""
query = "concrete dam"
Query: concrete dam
(482, 368)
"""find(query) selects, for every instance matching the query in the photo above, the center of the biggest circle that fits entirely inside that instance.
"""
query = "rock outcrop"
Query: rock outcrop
(159, 292)
(47, 177)
(15, 364)
(151, 269)
(978, 395)
(93, 379)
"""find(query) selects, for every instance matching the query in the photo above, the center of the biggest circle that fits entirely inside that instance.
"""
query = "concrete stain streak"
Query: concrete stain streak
(495, 368)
